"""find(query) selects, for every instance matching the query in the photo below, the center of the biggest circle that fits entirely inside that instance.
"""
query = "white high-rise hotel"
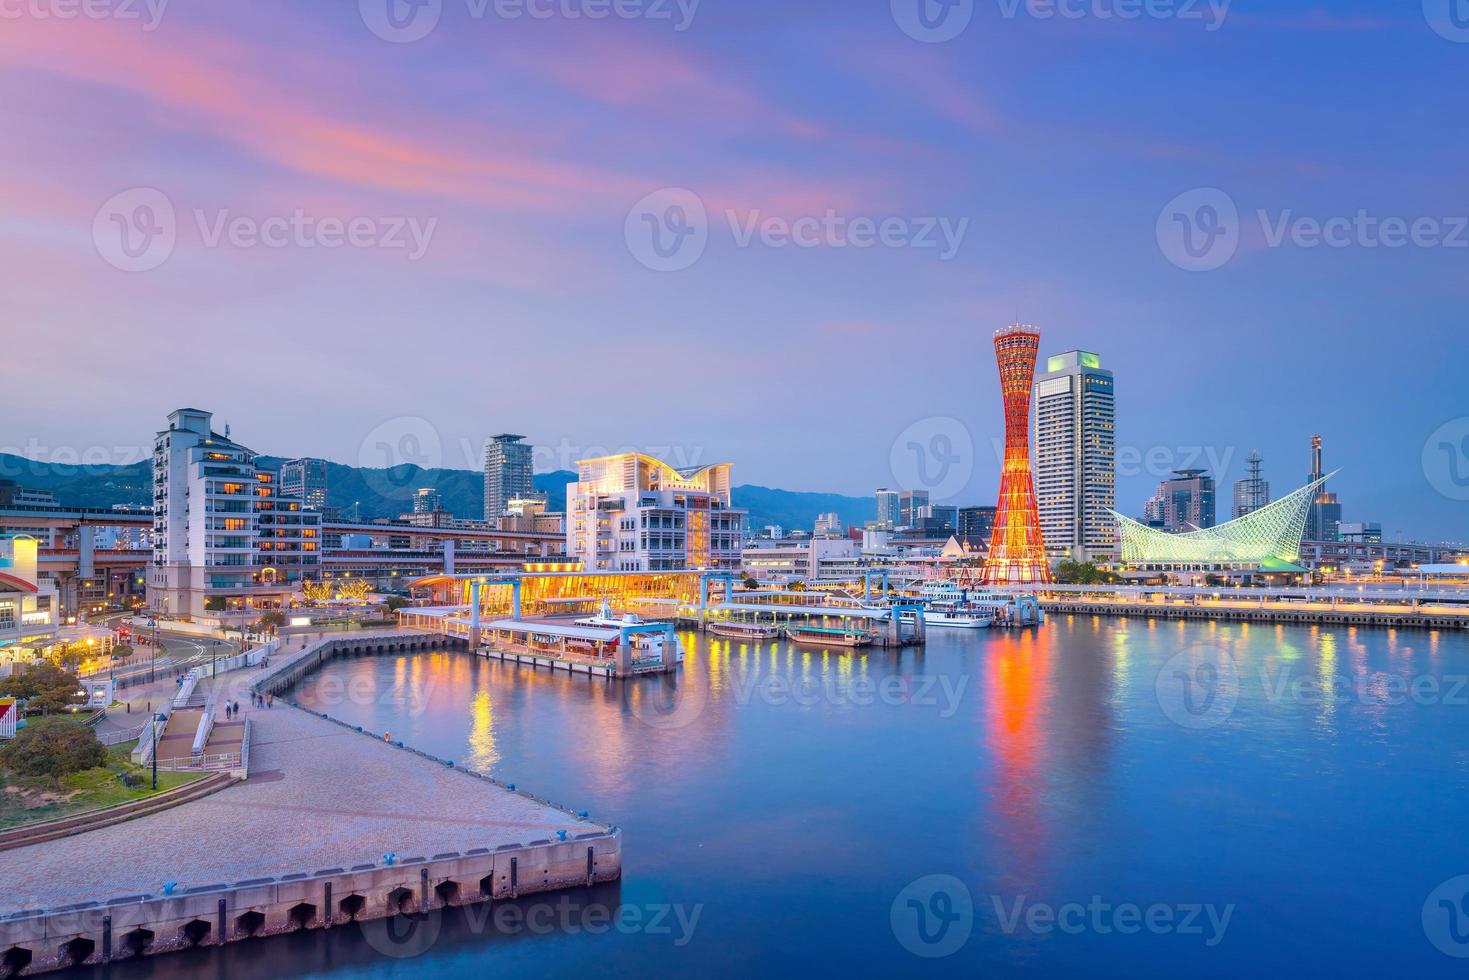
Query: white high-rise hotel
(225, 537)
(635, 513)
(1076, 457)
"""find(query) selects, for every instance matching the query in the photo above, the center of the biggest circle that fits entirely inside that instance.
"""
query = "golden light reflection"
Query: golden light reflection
(483, 754)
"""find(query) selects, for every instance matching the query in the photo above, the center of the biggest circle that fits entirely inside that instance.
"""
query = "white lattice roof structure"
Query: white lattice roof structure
(1269, 535)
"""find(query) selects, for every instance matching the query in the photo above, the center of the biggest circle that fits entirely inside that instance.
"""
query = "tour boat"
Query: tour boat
(827, 636)
(956, 616)
(744, 631)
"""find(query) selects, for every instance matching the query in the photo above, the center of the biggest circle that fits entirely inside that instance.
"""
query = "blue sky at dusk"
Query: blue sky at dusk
(521, 149)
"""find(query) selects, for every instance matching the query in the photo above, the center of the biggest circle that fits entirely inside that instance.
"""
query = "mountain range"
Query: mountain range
(389, 492)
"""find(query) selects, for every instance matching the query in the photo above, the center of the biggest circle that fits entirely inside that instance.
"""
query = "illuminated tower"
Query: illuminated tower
(1017, 553)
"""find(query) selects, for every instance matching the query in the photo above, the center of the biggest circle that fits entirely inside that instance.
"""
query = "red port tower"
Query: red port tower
(1017, 554)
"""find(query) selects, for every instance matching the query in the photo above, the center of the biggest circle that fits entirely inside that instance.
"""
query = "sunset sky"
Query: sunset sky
(518, 150)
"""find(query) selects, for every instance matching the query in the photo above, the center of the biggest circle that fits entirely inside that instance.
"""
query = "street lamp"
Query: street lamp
(154, 724)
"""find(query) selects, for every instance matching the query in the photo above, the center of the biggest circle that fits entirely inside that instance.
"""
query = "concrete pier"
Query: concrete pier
(1342, 615)
(332, 824)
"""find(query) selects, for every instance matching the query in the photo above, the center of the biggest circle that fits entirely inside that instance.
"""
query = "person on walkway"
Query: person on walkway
(270, 700)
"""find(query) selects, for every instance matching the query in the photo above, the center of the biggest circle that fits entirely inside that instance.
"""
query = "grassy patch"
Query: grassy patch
(26, 801)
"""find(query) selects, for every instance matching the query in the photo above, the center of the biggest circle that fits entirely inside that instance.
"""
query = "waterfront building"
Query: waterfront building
(224, 532)
(976, 524)
(1076, 457)
(887, 508)
(28, 604)
(797, 560)
(1360, 532)
(1253, 492)
(306, 480)
(1268, 540)
(910, 507)
(1324, 521)
(1017, 553)
(632, 512)
(1184, 502)
(509, 473)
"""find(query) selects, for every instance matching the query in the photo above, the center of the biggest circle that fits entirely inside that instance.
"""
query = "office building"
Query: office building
(426, 500)
(306, 480)
(828, 525)
(1184, 502)
(910, 507)
(28, 605)
(509, 473)
(1017, 554)
(1076, 457)
(887, 508)
(634, 513)
(226, 538)
(14, 495)
(976, 524)
(1253, 492)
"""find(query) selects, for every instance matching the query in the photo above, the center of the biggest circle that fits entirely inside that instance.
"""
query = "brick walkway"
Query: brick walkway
(319, 796)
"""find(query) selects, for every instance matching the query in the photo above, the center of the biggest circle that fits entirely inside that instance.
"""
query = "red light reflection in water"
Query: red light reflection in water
(1018, 668)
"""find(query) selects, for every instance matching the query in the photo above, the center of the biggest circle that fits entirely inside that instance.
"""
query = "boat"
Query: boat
(958, 616)
(646, 647)
(744, 631)
(829, 636)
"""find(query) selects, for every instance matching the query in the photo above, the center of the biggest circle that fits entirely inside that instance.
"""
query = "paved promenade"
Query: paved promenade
(319, 796)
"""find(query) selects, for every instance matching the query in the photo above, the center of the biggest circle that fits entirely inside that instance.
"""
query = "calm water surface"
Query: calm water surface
(1311, 785)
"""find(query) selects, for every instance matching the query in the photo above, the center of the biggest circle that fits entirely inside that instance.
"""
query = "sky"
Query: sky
(774, 233)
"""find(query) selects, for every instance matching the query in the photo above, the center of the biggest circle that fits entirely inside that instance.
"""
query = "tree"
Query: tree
(122, 651)
(395, 602)
(270, 621)
(355, 590)
(45, 688)
(751, 585)
(53, 748)
(214, 603)
(317, 591)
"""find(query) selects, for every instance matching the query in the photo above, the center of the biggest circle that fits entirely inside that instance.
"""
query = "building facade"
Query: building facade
(306, 480)
(1076, 457)
(226, 538)
(1253, 492)
(911, 504)
(887, 508)
(828, 524)
(28, 606)
(1324, 521)
(976, 524)
(509, 473)
(632, 512)
(1184, 502)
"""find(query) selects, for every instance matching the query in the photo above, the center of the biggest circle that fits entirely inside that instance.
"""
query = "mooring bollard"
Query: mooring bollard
(423, 885)
(106, 938)
(327, 902)
(224, 935)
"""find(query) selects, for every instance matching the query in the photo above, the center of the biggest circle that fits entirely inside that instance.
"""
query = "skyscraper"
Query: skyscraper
(887, 507)
(305, 479)
(1253, 492)
(976, 524)
(1017, 552)
(508, 473)
(1323, 522)
(426, 500)
(1184, 502)
(1076, 457)
(910, 507)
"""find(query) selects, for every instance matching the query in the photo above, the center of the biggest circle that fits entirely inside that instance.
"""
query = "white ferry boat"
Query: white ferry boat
(744, 631)
(645, 646)
(953, 615)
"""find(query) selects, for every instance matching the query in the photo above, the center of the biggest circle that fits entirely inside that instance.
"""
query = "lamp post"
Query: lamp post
(154, 724)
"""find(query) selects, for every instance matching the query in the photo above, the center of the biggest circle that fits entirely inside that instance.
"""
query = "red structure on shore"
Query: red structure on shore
(1017, 554)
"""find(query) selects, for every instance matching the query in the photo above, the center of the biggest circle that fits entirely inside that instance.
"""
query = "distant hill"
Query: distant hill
(389, 492)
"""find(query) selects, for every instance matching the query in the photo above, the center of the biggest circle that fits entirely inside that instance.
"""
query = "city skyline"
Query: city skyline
(185, 109)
